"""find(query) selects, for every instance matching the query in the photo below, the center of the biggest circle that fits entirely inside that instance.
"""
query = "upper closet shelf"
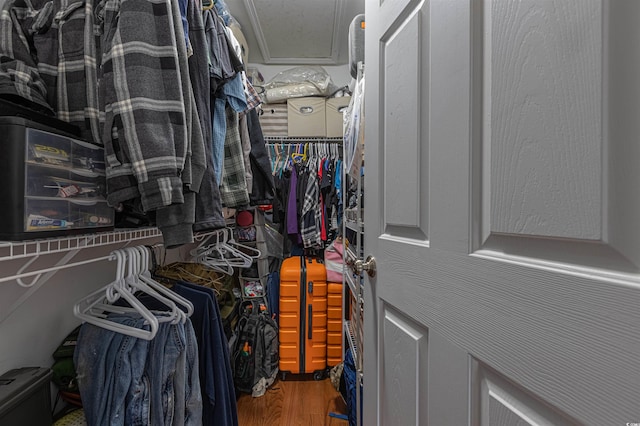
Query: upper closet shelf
(354, 225)
(30, 251)
(288, 139)
(16, 250)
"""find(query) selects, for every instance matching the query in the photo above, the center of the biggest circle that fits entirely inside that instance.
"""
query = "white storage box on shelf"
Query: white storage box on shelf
(306, 117)
(334, 119)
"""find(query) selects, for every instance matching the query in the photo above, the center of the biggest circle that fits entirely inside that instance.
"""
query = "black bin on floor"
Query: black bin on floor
(25, 397)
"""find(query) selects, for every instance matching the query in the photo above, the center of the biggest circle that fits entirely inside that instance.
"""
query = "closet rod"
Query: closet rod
(37, 282)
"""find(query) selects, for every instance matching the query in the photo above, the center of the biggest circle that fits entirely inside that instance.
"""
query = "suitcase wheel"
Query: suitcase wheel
(318, 375)
(283, 375)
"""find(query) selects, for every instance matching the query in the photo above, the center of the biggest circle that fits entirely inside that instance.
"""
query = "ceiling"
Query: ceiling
(295, 32)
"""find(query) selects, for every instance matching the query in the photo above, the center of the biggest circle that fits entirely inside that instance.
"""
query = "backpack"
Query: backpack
(255, 352)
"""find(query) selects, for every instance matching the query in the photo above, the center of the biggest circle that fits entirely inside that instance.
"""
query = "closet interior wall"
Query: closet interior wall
(35, 327)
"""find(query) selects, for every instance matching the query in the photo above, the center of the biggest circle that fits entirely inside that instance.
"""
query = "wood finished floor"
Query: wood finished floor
(293, 403)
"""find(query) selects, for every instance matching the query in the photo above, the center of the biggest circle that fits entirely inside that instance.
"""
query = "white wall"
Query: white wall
(34, 330)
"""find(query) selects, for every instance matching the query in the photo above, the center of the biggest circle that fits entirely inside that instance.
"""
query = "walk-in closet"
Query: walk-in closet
(172, 186)
(337, 212)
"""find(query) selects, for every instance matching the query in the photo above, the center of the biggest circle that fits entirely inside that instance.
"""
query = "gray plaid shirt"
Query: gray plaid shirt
(144, 129)
(60, 72)
(118, 70)
(19, 75)
(145, 132)
(233, 190)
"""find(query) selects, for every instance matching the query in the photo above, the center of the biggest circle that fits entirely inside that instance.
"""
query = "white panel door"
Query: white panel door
(501, 199)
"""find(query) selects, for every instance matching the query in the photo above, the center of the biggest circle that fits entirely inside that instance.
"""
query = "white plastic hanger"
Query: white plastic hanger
(217, 254)
(136, 283)
(145, 276)
(253, 254)
(233, 255)
(209, 254)
(89, 308)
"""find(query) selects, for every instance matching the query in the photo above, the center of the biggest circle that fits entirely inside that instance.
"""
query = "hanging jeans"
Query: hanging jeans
(124, 380)
(106, 364)
(173, 382)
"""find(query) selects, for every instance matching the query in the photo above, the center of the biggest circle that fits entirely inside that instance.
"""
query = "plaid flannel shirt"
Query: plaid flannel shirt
(231, 93)
(63, 58)
(250, 92)
(77, 94)
(234, 185)
(20, 79)
(67, 63)
(311, 215)
(145, 133)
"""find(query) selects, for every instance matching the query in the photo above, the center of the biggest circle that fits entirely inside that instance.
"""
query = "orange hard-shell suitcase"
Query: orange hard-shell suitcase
(334, 324)
(303, 317)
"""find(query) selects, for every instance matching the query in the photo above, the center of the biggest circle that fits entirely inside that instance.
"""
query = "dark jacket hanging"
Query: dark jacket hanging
(263, 189)
(208, 201)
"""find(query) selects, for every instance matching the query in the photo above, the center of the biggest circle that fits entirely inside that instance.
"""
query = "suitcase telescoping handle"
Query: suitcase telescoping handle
(310, 322)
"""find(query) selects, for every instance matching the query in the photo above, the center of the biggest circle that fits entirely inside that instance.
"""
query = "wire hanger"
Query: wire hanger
(243, 248)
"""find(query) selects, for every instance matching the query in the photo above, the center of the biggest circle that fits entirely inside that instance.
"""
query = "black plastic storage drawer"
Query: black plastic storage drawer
(51, 183)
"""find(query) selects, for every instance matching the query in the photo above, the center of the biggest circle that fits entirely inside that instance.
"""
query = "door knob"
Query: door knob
(368, 265)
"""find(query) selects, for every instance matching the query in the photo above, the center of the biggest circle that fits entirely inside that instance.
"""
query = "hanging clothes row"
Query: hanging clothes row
(308, 192)
(131, 357)
(161, 86)
(148, 339)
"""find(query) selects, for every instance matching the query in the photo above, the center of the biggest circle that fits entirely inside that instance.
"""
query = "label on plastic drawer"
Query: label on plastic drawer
(43, 223)
(50, 154)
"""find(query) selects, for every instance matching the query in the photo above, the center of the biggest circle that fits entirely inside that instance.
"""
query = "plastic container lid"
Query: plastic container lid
(19, 384)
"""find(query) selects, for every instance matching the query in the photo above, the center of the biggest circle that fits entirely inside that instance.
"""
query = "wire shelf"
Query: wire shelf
(10, 250)
(351, 282)
(354, 225)
(351, 339)
(287, 139)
